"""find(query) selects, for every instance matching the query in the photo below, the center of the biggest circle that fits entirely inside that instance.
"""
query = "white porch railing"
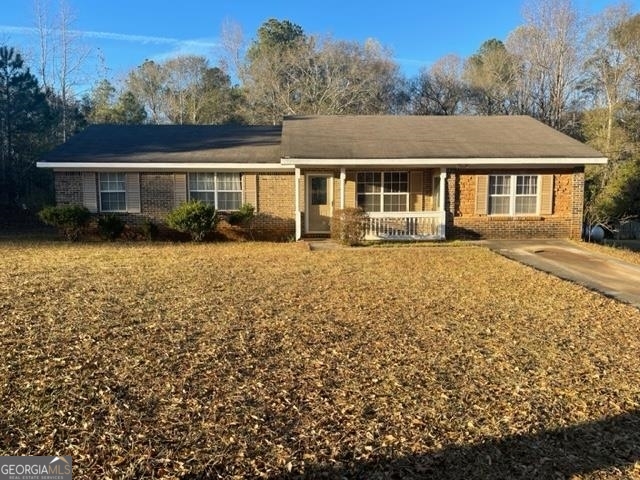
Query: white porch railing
(405, 226)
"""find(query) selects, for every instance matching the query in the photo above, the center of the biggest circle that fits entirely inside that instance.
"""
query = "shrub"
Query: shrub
(195, 218)
(348, 226)
(70, 220)
(149, 230)
(243, 215)
(110, 226)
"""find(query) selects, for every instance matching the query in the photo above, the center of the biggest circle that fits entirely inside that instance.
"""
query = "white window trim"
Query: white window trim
(215, 188)
(100, 192)
(513, 178)
(382, 193)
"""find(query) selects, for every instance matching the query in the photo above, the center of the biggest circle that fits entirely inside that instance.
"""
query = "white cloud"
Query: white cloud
(179, 44)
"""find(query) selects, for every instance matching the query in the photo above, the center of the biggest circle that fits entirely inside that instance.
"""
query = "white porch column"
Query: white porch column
(441, 207)
(343, 178)
(443, 189)
(298, 219)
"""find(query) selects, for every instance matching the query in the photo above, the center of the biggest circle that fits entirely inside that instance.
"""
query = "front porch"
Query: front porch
(414, 197)
(405, 226)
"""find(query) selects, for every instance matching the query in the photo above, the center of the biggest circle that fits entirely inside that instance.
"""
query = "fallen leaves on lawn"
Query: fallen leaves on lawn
(265, 360)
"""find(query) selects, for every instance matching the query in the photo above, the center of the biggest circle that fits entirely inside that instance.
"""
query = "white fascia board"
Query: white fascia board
(171, 167)
(441, 162)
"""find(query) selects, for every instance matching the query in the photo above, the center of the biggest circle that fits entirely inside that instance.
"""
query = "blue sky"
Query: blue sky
(127, 32)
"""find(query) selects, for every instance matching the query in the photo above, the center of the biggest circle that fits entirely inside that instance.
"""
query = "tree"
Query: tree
(288, 73)
(101, 106)
(24, 116)
(490, 75)
(147, 84)
(547, 52)
(439, 90)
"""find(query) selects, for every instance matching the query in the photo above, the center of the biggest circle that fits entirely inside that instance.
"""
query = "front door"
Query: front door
(319, 203)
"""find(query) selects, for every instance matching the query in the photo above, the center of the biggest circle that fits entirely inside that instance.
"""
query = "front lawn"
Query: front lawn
(269, 361)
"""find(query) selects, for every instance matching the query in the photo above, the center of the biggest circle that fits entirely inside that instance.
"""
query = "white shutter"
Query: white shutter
(132, 186)
(89, 194)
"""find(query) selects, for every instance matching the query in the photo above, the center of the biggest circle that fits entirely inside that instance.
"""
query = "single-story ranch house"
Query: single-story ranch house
(417, 177)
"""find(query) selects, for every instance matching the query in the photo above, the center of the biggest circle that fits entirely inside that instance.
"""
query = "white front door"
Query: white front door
(319, 203)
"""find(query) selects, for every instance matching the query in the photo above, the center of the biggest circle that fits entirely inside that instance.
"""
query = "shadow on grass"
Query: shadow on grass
(608, 444)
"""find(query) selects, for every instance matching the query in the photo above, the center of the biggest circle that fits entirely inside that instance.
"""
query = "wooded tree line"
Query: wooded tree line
(578, 74)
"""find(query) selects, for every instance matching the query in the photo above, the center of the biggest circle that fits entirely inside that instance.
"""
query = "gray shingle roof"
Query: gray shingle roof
(324, 137)
(171, 143)
(393, 137)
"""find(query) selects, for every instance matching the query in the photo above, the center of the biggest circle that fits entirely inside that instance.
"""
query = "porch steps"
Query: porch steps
(321, 244)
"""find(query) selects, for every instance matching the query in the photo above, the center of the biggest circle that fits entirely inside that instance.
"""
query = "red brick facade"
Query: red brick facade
(273, 196)
(564, 221)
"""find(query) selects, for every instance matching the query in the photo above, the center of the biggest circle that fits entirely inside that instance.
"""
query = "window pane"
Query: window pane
(112, 201)
(206, 197)
(229, 182)
(369, 182)
(395, 203)
(396, 182)
(369, 203)
(229, 200)
(526, 185)
(499, 184)
(499, 205)
(526, 204)
(319, 190)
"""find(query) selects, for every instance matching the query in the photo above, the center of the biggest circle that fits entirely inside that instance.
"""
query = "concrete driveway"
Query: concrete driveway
(564, 259)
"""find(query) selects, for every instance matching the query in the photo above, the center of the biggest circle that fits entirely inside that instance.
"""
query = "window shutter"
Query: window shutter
(249, 189)
(416, 187)
(482, 194)
(179, 188)
(546, 194)
(89, 194)
(132, 189)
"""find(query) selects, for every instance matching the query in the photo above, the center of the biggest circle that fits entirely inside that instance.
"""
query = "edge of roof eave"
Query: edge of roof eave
(163, 166)
(443, 162)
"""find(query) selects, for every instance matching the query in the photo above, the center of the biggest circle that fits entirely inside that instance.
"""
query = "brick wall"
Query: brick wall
(156, 195)
(68, 186)
(275, 205)
(564, 222)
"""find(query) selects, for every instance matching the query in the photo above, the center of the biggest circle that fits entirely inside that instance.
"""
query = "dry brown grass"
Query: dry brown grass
(620, 252)
(266, 360)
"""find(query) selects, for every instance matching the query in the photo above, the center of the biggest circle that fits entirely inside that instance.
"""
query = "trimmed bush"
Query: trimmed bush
(70, 220)
(195, 218)
(348, 226)
(243, 215)
(110, 226)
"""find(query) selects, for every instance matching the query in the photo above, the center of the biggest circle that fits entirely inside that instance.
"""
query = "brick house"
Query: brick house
(416, 177)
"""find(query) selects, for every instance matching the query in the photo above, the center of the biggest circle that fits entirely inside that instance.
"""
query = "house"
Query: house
(417, 177)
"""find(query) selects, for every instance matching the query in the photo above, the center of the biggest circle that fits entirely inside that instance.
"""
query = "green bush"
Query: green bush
(70, 220)
(243, 215)
(195, 218)
(348, 226)
(110, 226)
(149, 230)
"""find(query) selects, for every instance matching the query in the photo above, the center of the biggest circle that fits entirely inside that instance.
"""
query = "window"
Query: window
(513, 194)
(222, 190)
(383, 191)
(112, 192)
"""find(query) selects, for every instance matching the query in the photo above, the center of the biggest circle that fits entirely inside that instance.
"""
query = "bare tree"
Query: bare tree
(547, 48)
(439, 90)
